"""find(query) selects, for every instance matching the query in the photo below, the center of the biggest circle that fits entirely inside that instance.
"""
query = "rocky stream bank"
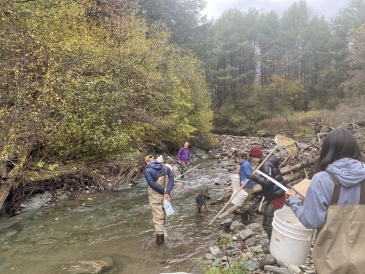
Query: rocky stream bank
(236, 244)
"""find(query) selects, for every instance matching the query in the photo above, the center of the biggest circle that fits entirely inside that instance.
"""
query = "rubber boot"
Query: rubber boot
(244, 218)
(251, 215)
(160, 239)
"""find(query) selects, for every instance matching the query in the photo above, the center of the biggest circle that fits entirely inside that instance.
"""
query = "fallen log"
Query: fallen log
(10, 181)
(227, 212)
(221, 199)
(289, 169)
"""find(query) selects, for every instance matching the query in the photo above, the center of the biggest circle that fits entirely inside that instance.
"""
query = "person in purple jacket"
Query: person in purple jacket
(184, 158)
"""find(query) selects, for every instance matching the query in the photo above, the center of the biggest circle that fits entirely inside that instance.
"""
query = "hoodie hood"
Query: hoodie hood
(155, 165)
(349, 172)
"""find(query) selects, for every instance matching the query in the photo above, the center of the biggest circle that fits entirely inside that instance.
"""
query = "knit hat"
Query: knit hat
(159, 159)
(170, 161)
(256, 152)
(149, 158)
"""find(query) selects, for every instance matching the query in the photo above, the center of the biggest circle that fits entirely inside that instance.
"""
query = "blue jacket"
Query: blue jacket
(155, 170)
(349, 172)
(245, 170)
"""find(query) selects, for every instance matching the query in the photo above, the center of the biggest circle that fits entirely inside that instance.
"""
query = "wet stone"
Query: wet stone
(256, 249)
(10, 234)
(267, 260)
(295, 269)
(254, 227)
(246, 234)
(249, 255)
(251, 265)
(237, 226)
(277, 270)
(216, 262)
(214, 250)
(252, 241)
(88, 267)
(228, 221)
(209, 256)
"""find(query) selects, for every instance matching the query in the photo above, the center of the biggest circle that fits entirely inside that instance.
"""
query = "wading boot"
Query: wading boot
(244, 218)
(160, 239)
(251, 215)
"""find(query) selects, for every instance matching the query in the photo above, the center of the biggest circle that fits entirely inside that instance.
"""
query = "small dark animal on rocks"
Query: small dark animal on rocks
(200, 202)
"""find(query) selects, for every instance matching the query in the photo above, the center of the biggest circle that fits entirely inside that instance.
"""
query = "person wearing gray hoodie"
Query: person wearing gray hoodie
(341, 163)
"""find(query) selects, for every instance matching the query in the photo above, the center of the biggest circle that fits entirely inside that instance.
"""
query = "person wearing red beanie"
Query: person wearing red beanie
(256, 152)
(274, 195)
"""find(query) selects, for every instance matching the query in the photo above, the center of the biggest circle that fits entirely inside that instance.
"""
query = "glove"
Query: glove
(253, 178)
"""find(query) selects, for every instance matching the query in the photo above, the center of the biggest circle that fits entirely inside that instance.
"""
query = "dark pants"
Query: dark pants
(268, 210)
(183, 168)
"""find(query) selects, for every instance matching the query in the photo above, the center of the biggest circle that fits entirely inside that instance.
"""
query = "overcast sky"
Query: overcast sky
(325, 7)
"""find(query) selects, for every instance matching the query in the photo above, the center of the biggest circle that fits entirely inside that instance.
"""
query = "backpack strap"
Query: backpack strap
(336, 190)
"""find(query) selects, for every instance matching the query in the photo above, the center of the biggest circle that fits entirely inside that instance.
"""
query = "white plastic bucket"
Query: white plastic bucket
(235, 180)
(290, 240)
(240, 197)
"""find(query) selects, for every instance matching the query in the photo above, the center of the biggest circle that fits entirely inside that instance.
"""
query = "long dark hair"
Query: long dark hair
(338, 144)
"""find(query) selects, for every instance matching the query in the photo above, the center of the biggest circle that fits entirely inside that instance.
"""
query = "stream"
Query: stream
(115, 227)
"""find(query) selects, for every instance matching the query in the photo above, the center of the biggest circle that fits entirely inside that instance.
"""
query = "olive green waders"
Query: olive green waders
(268, 210)
(158, 212)
(340, 244)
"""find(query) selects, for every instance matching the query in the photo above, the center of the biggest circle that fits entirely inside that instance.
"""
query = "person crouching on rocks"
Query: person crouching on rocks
(246, 211)
(274, 195)
(160, 183)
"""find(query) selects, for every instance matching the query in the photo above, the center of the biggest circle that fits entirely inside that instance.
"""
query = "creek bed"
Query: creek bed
(116, 226)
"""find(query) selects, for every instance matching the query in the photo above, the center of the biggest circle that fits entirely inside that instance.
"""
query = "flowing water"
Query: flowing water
(116, 226)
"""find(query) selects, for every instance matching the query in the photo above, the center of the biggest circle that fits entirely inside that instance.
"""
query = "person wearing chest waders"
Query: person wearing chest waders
(246, 211)
(274, 195)
(184, 159)
(160, 183)
(335, 206)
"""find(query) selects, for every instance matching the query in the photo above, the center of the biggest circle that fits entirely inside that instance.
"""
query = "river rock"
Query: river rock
(227, 222)
(209, 256)
(252, 241)
(254, 227)
(246, 234)
(256, 249)
(215, 263)
(295, 269)
(88, 267)
(249, 255)
(267, 260)
(251, 265)
(10, 233)
(278, 270)
(237, 226)
(37, 201)
(214, 250)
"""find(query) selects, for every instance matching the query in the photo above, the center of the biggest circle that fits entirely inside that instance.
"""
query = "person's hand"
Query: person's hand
(167, 197)
(237, 168)
(188, 163)
(180, 162)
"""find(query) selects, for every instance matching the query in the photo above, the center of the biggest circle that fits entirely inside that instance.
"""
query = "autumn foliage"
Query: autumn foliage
(92, 79)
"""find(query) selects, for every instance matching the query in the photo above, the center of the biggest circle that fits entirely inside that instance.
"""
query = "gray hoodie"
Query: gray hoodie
(349, 172)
